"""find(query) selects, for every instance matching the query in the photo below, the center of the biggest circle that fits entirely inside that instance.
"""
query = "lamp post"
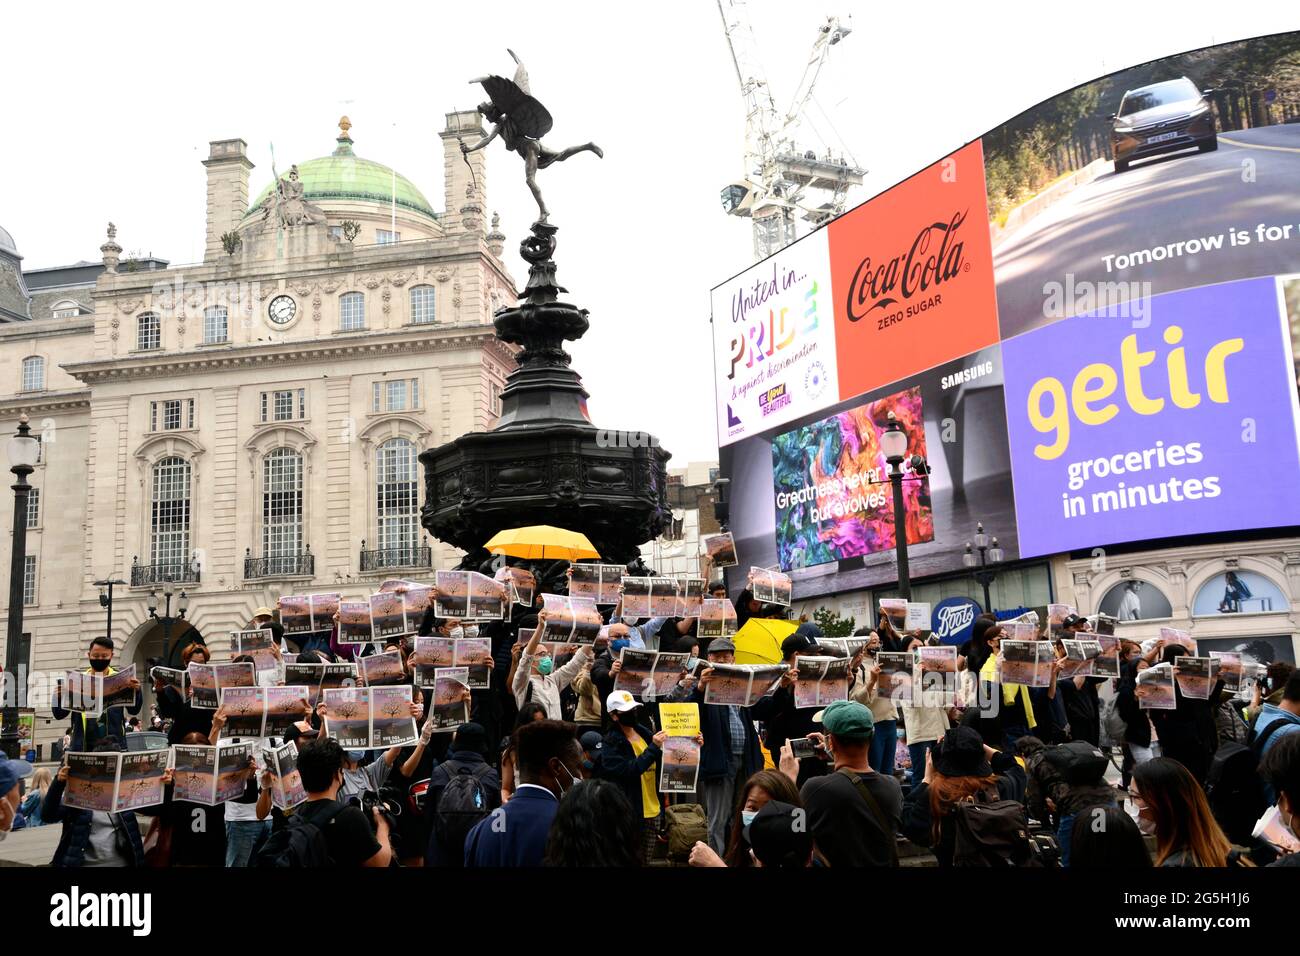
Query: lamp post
(23, 453)
(106, 601)
(893, 442)
(990, 556)
(182, 605)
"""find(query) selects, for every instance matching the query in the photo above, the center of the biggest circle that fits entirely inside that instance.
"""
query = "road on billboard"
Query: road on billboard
(1250, 178)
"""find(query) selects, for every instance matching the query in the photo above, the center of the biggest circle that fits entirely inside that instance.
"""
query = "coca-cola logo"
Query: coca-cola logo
(934, 257)
(953, 618)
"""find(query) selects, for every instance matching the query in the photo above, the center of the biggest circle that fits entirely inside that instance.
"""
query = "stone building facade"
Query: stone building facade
(248, 426)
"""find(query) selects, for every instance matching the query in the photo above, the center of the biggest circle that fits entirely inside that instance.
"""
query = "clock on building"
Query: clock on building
(282, 309)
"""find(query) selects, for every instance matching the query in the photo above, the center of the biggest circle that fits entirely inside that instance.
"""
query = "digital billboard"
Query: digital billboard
(1108, 358)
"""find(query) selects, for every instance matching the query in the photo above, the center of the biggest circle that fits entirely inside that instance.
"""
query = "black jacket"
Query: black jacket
(620, 764)
(715, 757)
(71, 851)
(185, 717)
(917, 822)
(1137, 729)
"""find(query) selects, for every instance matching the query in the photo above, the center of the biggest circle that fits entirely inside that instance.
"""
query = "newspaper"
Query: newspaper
(521, 581)
(770, 587)
(820, 681)
(636, 596)
(308, 613)
(1194, 676)
(208, 680)
(679, 765)
(115, 782)
(690, 597)
(650, 675)
(378, 670)
(743, 684)
(212, 775)
(451, 698)
(721, 549)
(263, 711)
(1155, 688)
(896, 672)
(286, 783)
(717, 618)
(370, 718)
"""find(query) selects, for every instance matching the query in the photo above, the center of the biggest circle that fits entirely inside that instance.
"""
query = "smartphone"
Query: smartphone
(803, 748)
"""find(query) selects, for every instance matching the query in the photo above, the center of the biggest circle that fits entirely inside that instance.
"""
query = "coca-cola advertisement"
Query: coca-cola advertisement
(912, 275)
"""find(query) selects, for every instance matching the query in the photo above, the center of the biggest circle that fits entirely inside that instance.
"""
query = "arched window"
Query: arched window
(169, 540)
(148, 331)
(1135, 600)
(352, 311)
(397, 495)
(282, 503)
(1239, 592)
(214, 325)
(33, 373)
(422, 305)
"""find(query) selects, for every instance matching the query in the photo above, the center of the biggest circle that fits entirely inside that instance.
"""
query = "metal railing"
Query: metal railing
(171, 572)
(411, 556)
(279, 565)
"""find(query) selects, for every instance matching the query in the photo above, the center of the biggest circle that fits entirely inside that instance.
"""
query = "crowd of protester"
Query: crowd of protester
(557, 767)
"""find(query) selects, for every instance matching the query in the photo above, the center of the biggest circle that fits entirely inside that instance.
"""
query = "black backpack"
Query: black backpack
(300, 843)
(993, 833)
(463, 802)
(1233, 786)
(1078, 762)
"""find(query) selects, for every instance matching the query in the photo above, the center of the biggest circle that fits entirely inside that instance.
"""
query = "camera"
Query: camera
(370, 801)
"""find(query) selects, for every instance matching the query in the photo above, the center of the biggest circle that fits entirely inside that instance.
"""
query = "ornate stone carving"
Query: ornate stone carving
(442, 275)
(399, 279)
(129, 306)
(386, 296)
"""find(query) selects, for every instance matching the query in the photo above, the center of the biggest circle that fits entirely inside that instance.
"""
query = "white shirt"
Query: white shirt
(546, 689)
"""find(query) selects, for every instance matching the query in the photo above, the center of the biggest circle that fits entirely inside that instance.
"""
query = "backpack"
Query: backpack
(687, 825)
(1078, 762)
(463, 802)
(300, 843)
(1113, 725)
(992, 833)
(1233, 785)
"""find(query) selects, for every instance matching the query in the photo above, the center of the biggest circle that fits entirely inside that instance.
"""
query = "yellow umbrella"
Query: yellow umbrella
(759, 641)
(540, 542)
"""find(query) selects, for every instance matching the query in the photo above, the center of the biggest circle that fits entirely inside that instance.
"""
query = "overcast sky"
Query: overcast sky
(111, 110)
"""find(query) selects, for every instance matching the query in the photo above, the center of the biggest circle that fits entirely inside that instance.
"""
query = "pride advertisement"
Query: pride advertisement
(774, 341)
(1183, 422)
(912, 273)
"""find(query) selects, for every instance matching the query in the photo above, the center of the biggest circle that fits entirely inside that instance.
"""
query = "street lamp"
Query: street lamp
(990, 555)
(106, 601)
(893, 442)
(24, 451)
(182, 605)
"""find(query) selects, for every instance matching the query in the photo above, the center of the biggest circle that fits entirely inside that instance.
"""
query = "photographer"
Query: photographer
(351, 837)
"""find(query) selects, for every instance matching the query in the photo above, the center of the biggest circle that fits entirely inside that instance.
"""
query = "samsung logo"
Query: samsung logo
(967, 375)
(77, 910)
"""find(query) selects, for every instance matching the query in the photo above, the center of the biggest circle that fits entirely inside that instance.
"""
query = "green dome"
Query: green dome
(343, 176)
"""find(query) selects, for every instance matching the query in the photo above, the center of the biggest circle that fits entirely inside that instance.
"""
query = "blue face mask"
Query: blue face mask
(618, 645)
(692, 663)
(747, 816)
(544, 666)
(356, 756)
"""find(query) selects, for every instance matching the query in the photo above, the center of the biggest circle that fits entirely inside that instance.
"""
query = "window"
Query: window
(398, 395)
(1135, 600)
(214, 325)
(281, 503)
(33, 373)
(148, 331)
(352, 311)
(1237, 592)
(384, 237)
(397, 494)
(40, 449)
(494, 398)
(34, 508)
(29, 579)
(336, 232)
(422, 304)
(284, 405)
(169, 541)
(171, 414)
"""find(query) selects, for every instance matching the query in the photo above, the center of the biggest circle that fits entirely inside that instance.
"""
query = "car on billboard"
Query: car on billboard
(1162, 118)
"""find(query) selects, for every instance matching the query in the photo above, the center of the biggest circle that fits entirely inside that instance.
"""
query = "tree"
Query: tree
(832, 624)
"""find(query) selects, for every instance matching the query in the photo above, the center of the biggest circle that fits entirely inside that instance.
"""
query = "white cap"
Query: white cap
(620, 701)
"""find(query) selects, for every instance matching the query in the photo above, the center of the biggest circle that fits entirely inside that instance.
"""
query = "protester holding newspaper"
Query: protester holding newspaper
(731, 751)
(86, 730)
(864, 688)
(785, 721)
(630, 755)
(536, 679)
(185, 718)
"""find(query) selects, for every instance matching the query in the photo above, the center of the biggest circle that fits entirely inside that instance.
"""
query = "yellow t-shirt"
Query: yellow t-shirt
(649, 785)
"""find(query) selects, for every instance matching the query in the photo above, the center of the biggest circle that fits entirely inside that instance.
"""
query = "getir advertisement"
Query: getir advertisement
(1183, 422)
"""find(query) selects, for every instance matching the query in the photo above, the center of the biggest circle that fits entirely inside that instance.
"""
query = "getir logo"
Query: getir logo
(912, 272)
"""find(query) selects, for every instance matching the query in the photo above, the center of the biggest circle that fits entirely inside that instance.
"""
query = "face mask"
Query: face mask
(456, 633)
(356, 756)
(544, 666)
(1148, 827)
(573, 781)
(618, 644)
(747, 816)
(99, 664)
(471, 631)
(692, 663)
(628, 718)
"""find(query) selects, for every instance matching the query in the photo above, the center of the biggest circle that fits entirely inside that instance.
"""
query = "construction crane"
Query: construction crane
(781, 177)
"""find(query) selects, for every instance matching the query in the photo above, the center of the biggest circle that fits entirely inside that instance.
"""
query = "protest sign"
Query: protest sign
(680, 720)
(721, 549)
(679, 765)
